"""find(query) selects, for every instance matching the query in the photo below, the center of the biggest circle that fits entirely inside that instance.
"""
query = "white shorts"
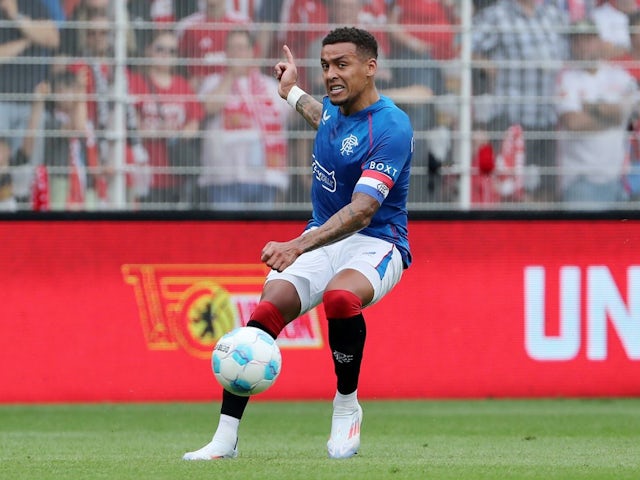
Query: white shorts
(378, 260)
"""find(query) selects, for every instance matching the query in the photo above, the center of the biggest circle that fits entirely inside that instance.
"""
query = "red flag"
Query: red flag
(77, 176)
(483, 189)
(40, 191)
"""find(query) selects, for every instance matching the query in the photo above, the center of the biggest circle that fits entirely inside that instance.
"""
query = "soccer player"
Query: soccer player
(355, 246)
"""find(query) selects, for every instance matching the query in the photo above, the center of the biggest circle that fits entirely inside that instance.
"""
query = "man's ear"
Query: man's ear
(372, 67)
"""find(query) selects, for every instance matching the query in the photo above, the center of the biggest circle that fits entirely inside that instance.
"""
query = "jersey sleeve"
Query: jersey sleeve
(389, 156)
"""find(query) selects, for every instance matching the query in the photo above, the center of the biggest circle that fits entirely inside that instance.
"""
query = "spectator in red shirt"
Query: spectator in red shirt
(429, 41)
(301, 22)
(144, 17)
(169, 121)
(369, 15)
(304, 22)
(203, 44)
(433, 34)
(72, 34)
(94, 44)
(420, 43)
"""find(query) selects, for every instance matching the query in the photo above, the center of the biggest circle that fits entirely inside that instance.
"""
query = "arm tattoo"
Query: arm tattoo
(310, 109)
(345, 222)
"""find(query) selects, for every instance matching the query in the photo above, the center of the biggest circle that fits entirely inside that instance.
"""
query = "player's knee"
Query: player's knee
(341, 304)
(268, 318)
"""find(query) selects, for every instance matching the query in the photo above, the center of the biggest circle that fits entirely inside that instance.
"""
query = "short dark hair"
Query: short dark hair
(64, 78)
(365, 43)
(151, 36)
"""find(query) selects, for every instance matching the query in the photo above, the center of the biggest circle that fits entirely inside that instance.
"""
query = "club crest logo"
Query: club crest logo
(342, 357)
(383, 189)
(190, 307)
(348, 145)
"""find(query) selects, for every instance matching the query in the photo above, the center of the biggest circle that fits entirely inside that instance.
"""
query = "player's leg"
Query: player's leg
(347, 334)
(363, 280)
(343, 301)
(278, 306)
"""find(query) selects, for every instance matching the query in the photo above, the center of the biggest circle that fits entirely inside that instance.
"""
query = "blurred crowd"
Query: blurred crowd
(171, 104)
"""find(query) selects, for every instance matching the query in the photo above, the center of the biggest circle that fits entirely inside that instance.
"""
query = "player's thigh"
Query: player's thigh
(309, 274)
(378, 261)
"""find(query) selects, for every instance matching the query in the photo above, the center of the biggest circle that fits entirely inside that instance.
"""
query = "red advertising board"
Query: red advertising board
(130, 310)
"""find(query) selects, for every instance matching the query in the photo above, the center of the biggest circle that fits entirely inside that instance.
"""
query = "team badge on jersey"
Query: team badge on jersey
(348, 144)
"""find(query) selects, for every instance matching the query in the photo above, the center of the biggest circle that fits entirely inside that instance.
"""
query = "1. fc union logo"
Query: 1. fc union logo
(192, 306)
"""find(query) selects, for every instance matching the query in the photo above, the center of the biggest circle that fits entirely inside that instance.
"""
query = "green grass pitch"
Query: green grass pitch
(463, 440)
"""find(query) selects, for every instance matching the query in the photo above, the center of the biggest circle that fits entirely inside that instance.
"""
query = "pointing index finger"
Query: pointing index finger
(287, 53)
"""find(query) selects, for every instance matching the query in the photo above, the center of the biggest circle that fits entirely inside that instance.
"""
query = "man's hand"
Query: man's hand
(10, 8)
(42, 91)
(286, 73)
(279, 255)
(39, 32)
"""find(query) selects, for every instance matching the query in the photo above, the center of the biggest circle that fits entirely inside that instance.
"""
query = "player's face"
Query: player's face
(348, 77)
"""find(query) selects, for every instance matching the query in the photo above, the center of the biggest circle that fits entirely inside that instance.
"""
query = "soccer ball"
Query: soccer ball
(246, 361)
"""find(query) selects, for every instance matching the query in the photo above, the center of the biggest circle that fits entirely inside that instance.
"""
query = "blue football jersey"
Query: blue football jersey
(370, 152)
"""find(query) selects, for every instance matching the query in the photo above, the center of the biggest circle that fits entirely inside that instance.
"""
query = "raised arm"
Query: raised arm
(42, 90)
(286, 73)
(40, 32)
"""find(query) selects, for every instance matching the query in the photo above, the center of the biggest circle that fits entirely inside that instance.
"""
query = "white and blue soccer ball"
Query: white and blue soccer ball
(246, 361)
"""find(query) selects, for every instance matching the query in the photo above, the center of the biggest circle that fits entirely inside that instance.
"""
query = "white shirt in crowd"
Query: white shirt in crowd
(598, 156)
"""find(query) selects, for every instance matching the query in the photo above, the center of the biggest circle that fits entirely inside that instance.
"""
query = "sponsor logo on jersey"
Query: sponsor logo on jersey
(348, 144)
(381, 167)
(190, 307)
(326, 178)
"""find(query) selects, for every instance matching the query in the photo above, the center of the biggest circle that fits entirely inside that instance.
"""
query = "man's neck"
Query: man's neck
(215, 14)
(365, 101)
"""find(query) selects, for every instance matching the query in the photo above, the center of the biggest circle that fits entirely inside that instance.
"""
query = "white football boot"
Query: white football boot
(213, 450)
(344, 440)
